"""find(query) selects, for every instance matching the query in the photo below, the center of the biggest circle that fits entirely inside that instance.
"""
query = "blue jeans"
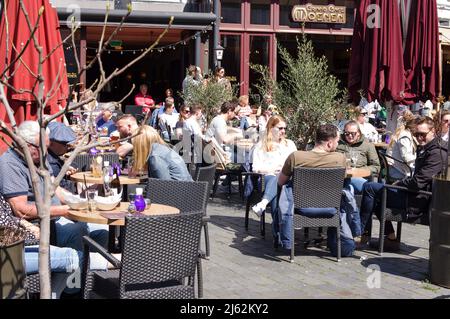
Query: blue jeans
(70, 234)
(62, 259)
(371, 203)
(357, 183)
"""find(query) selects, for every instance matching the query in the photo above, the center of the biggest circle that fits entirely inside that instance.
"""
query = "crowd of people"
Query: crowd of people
(417, 145)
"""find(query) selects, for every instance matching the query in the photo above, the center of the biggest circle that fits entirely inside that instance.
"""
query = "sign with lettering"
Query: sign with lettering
(319, 14)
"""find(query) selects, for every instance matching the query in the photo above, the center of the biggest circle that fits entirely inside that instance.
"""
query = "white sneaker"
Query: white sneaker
(258, 209)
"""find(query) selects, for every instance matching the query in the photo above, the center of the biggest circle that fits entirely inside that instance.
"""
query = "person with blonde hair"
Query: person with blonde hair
(269, 156)
(151, 152)
(403, 147)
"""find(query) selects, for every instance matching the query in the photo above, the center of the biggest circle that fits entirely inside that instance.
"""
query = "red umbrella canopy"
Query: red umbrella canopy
(376, 65)
(421, 54)
(22, 74)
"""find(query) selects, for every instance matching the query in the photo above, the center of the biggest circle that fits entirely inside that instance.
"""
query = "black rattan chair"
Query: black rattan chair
(317, 188)
(206, 174)
(386, 167)
(257, 181)
(398, 216)
(159, 257)
(187, 196)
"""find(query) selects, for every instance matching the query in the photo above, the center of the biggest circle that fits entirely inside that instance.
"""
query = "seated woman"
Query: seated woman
(354, 145)
(269, 156)
(149, 150)
(403, 147)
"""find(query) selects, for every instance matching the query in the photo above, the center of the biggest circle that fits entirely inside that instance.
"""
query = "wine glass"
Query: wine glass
(354, 157)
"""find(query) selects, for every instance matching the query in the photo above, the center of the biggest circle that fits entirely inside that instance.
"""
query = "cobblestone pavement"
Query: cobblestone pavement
(244, 265)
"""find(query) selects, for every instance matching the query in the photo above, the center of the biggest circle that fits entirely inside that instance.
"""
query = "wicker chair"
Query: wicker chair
(317, 188)
(385, 165)
(206, 174)
(187, 196)
(257, 181)
(159, 258)
(396, 215)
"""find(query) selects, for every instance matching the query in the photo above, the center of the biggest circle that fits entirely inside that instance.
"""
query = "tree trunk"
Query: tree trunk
(44, 242)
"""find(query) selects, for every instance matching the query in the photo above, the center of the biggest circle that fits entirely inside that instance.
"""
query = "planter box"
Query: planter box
(12, 271)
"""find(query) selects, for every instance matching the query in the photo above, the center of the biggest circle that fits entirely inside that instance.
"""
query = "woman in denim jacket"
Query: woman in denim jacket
(163, 162)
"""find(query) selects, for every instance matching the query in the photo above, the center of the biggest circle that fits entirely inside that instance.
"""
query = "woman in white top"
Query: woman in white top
(268, 158)
(403, 147)
(368, 130)
(442, 120)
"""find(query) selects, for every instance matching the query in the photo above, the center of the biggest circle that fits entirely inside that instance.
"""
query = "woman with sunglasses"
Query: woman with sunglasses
(185, 113)
(268, 158)
(363, 153)
(403, 147)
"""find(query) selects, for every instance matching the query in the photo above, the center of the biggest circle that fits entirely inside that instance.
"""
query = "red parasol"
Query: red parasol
(376, 65)
(422, 50)
(21, 73)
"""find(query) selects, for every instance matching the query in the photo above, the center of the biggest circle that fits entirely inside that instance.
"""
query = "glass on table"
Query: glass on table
(92, 205)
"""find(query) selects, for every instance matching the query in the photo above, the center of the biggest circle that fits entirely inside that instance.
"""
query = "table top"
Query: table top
(96, 218)
(358, 172)
(124, 180)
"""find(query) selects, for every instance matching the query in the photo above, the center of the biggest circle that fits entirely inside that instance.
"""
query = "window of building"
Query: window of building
(260, 12)
(232, 56)
(231, 11)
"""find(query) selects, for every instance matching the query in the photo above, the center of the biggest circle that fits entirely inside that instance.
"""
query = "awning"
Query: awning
(444, 36)
(159, 19)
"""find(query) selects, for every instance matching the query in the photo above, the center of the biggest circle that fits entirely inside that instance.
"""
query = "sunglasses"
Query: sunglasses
(350, 133)
(186, 111)
(281, 127)
(421, 134)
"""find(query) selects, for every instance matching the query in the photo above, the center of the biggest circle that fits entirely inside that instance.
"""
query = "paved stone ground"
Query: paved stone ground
(244, 265)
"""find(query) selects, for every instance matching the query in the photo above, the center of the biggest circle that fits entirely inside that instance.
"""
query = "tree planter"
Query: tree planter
(12, 271)
(439, 262)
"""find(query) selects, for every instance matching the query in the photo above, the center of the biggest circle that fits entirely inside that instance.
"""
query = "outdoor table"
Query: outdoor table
(97, 217)
(358, 172)
(124, 180)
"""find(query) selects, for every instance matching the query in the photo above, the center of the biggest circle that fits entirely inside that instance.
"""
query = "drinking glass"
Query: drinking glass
(131, 207)
(91, 194)
(354, 157)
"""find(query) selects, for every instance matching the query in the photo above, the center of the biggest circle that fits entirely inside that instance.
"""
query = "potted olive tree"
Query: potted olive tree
(12, 266)
(306, 94)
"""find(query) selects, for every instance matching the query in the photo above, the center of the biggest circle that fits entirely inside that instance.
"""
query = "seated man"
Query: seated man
(18, 191)
(60, 136)
(106, 122)
(126, 125)
(429, 162)
(322, 155)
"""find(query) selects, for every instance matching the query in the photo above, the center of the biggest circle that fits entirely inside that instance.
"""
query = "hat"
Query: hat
(61, 133)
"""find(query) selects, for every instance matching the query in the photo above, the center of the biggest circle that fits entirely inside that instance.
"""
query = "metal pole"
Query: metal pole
(216, 31)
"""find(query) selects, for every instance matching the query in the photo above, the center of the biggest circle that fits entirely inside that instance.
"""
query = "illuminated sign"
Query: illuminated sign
(319, 14)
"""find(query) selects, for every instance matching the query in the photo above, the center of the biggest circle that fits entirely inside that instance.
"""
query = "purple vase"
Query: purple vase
(139, 203)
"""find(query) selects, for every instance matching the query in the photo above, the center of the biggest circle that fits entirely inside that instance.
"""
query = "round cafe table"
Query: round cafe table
(124, 180)
(358, 172)
(98, 217)
(117, 219)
